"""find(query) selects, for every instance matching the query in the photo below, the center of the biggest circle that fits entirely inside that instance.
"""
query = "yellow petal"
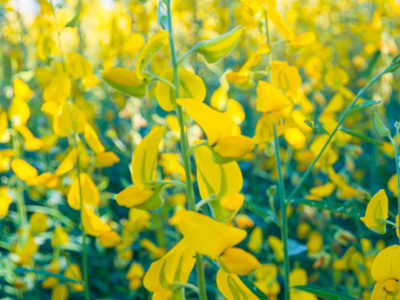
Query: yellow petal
(92, 224)
(238, 261)
(191, 86)
(219, 47)
(18, 112)
(92, 139)
(145, 156)
(90, 193)
(207, 236)
(22, 90)
(24, 171)
(38, 222)
(59, 89)
(150, 48)
(303, 40)
(133, 196)
(386, 264)
(64, 124)
(107, 159)
(234, 147)
(109, 239)
(125, 81)
(68, 162)
(377, 211)
(269, 98)
(215, 124)
(232, 287)
(175, 266)
(77, 66)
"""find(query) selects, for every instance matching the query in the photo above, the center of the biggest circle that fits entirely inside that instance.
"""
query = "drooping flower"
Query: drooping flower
(377, 212)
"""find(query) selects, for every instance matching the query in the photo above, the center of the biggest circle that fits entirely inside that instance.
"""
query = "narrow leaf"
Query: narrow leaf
(323, 292)
(362, 136)
(74, 20)
(48, 274)
(363, 105)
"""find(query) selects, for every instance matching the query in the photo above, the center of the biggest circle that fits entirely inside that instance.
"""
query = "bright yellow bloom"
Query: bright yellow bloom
(191, 86)
(135, 275)
(5, 201)
(221, 181)
(299, 277)
(255, 240)
(175, 266)
(60, 237)
(238, 261)
(90, 193)
(232, 287)
(386, 271)
(38, 222)
(125, 81)
(207, 236)
(220, 129)
(266, 280)
(143, 194)
(150, 48)
(377, 212)
(270, 98)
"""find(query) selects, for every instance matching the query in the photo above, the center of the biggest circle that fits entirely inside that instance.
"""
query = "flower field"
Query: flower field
(216, 149)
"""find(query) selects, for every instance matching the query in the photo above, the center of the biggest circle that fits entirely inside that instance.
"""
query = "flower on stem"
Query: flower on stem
(223, 134)
(173, 267)
(385, 270)
(232, 287)
(144, 194)
(377, 212)
(219, 182)
(207, 236)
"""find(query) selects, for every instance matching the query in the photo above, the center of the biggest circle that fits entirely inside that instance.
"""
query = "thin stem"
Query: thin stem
(184, 148)
(205, 201)
(170, 84)
(390, 223)
(359, 94)
(281, 187)
(396, 154)
(78, 168)
(58, 34)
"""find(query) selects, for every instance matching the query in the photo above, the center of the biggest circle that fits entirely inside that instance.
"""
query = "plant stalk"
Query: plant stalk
(184, 148)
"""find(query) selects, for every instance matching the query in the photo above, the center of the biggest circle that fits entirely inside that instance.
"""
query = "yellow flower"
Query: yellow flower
(270, 98)
(386, 271)
(90, 194)
(144, 194)
(38, 222)
(238, 261)
(220, 129)
(73, 271)
(191, 86)
(255, 240)
(92, 224)
(267, 280)
(277, 247)
(232, 287)
(175, 266)
(222, 182)
(5, 201)
(377, 212)
(299, 277)
(60, 237)
(135, 275)
(207, 236)
(125, 81)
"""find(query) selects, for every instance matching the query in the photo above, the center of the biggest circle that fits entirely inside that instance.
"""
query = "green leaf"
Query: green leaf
(362, 136)
(48, 274)
(323, 292)
(74, 20)
(162, 18)
(363, 105)
(334, 206)
(265, 214)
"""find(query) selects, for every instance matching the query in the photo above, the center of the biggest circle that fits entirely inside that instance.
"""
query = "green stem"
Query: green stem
(281, 187)
(359, 94)
(84, 254)
(390, 223)
(184, 148)
(396, 154)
